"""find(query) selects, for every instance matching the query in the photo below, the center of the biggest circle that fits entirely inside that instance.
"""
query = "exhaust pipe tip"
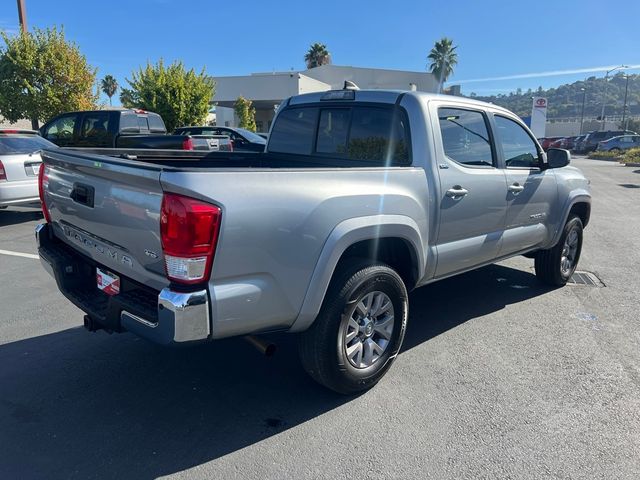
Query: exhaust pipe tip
(90, 325)
(265, 347)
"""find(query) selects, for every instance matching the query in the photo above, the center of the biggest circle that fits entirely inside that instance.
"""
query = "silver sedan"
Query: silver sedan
(19, 165)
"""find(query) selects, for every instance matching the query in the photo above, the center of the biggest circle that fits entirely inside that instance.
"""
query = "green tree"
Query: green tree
(180, 96)
(443, 58)
(109, 86)
(42, 75)
(317, 55)
(631, 124)
(246, 113)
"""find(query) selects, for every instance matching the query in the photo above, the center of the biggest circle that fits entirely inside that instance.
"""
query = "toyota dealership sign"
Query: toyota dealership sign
(539, 116)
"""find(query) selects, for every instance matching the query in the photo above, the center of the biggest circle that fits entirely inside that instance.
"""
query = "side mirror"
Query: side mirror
(558, 157)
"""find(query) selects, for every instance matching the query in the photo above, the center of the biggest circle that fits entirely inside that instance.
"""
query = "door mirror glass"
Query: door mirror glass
(558, 158)
(518, 147)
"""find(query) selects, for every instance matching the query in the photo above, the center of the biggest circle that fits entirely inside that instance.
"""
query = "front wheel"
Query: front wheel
(359, 330)
(556, 265)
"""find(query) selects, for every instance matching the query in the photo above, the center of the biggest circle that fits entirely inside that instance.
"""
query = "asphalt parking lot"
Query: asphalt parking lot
(499, 378)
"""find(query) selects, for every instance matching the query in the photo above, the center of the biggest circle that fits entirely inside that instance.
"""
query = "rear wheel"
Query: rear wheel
(359, 330)
(556, 265)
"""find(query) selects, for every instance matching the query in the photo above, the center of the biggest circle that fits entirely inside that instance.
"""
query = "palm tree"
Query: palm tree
(443, 58)
(109, 86)
(317, 56)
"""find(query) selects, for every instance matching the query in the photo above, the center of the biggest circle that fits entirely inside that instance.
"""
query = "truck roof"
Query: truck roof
(390, 96)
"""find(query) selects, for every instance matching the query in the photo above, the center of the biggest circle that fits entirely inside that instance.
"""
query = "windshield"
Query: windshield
(23, 144)
(252, 137)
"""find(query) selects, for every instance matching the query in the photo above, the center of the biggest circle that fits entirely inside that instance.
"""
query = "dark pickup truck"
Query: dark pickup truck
(125, 128)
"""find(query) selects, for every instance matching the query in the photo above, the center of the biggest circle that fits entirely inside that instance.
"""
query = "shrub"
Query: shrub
(604, 155)
(631, 156)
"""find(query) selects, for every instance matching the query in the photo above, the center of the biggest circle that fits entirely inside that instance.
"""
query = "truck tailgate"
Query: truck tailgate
(109, 210)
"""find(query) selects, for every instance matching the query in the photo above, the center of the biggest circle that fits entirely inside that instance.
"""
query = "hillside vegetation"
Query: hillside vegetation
(566, 100)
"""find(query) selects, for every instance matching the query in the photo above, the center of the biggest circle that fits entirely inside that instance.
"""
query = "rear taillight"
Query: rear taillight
(43, 182)
(3, 174)
(187, 144)
(189, 231)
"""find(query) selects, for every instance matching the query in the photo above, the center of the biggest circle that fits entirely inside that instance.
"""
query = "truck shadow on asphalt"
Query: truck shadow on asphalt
(75, 404)
(15, 217)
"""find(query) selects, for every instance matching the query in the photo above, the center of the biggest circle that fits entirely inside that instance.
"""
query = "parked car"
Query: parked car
(578, 143)
(618, 144)
(547, 141)
(565, 142)
(592, 139)
(126, 128)
(243, 140)
(360, 197)
(19, 165)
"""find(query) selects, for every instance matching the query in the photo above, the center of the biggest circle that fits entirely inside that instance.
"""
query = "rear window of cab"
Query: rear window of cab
(363, 134)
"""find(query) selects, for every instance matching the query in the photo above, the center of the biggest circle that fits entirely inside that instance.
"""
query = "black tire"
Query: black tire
(548, 262)
(322, 347)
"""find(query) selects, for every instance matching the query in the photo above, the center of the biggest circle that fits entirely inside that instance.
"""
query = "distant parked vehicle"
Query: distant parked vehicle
(590, 143)
(577, 144)
(566, 142)
(618, 144)
(19, 166)
(546, 142)
(133, 129)
(243, 140)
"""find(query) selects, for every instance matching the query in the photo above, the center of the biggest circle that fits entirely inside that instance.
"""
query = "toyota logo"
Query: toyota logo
(541, 102)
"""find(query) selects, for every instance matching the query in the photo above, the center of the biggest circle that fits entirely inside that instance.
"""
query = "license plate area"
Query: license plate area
(107, 282)
(32, 169)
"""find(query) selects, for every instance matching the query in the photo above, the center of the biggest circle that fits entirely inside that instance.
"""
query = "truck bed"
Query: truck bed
(190, 159)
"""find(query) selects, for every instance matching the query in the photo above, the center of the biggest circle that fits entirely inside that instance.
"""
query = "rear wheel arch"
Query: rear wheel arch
(395, 252)
(394, 240)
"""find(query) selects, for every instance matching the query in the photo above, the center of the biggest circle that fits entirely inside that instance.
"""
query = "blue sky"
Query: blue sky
(494, 38)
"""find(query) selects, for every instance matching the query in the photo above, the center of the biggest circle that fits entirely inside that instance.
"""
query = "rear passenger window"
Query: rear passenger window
(518, 147)
(465, 136)
(95, 130)
(294, 131)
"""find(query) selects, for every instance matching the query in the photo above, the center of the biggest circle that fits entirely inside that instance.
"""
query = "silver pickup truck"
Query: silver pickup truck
(360, 197)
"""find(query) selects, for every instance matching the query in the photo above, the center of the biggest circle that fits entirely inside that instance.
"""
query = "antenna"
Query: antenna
(348, 85)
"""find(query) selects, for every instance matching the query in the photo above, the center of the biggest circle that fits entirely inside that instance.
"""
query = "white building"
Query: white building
(267, 90)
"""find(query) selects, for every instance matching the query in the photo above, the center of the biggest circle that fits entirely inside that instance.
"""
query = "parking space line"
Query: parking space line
(19, 254)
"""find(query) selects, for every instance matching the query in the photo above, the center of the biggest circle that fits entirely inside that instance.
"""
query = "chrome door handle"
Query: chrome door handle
(516, 188)
(456, 191)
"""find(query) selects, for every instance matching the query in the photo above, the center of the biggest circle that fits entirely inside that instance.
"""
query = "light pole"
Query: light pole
(22, 15)
(624, 108)
(604, 90)
(584, 94)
